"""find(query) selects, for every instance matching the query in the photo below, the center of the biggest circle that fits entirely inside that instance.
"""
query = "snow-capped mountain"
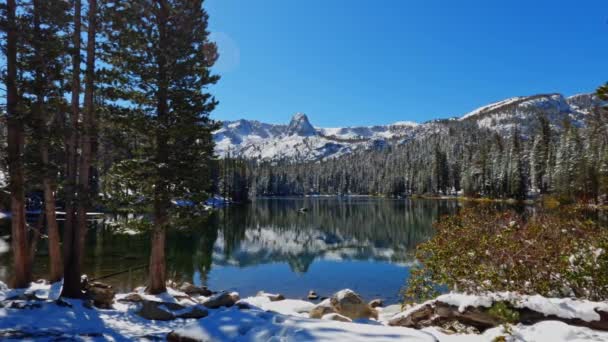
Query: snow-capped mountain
(301, 141)
(521, 112)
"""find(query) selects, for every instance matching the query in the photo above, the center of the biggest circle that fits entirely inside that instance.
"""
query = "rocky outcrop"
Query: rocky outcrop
(437, 313)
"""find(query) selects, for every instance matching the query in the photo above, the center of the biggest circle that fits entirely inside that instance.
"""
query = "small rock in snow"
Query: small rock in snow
(312, 295)
(274, 297)
(226, 299)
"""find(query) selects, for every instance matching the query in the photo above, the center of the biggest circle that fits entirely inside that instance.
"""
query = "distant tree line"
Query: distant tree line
(106, 101)
(567, 158)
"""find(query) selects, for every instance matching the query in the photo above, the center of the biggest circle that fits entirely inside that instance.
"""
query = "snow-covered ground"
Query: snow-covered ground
(266, 320)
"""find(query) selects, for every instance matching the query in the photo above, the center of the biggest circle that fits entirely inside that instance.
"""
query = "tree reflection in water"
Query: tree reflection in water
(339, 235)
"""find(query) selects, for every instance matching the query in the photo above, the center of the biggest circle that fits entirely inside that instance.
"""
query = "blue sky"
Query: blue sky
(364, 62)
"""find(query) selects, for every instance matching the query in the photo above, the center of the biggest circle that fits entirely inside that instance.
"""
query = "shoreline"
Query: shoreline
(197, 314)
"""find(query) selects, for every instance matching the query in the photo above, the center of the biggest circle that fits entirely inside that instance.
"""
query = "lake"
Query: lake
(365, 244)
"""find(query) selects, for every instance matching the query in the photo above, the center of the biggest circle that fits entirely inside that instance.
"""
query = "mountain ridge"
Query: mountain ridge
(300, 141)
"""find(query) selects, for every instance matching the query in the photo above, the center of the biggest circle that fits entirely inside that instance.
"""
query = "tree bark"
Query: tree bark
(15, 142)
(88, 129)
(72, 235)
(42, 134)
(157, 269)
(56, 267)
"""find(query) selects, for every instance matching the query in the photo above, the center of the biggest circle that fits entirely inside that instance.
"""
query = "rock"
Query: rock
(26, 297)
(226, 299)
(274, 297)
(321, 309)
(158, 311)
(19, 304)
(376, 303)
(312, 295)
(101, 294)
(336, 317)
(438, 313)
(414, 317)
(455, 327)
(132, 297)
(196, 313)
(243, 306)
(175, 337)
(351, 305)
(193, 290)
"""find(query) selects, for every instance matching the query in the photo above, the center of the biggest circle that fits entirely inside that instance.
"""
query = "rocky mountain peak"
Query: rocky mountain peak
(300, 125)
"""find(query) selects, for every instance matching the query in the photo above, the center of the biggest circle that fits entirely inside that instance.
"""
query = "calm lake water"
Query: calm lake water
(365, 244)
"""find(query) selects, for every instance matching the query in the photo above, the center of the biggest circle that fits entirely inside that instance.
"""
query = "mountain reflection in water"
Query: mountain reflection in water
(365, 244)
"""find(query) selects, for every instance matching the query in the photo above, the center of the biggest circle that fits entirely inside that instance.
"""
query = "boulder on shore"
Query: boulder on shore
(164, 311)
(439, 313)
(132, 297)
(158, 311)
(193, 290)
(101, 294)
(350, 304)
(226, 299)
(376, 303)
(274, 297)
(321, 309)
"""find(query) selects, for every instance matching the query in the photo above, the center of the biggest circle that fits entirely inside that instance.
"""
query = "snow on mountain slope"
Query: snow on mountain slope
(300, 141)
(522, 112)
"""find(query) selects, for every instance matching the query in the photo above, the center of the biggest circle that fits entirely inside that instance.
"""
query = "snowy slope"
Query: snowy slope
(300, 141)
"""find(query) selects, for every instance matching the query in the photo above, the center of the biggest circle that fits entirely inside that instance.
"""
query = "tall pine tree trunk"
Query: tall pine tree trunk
(15, 141)
(72, 254)
(42, 133)
(56, 267)
(84, 184)
(157, 268)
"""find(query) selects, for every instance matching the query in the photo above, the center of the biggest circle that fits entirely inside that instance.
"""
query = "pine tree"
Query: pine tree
(161, 55)
(517, 178)
(43, 60)
(89, 128)
(73, 237)
(15, 140)
(540, 154)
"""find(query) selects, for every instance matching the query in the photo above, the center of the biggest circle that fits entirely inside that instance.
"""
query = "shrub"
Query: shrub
(556, 254)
